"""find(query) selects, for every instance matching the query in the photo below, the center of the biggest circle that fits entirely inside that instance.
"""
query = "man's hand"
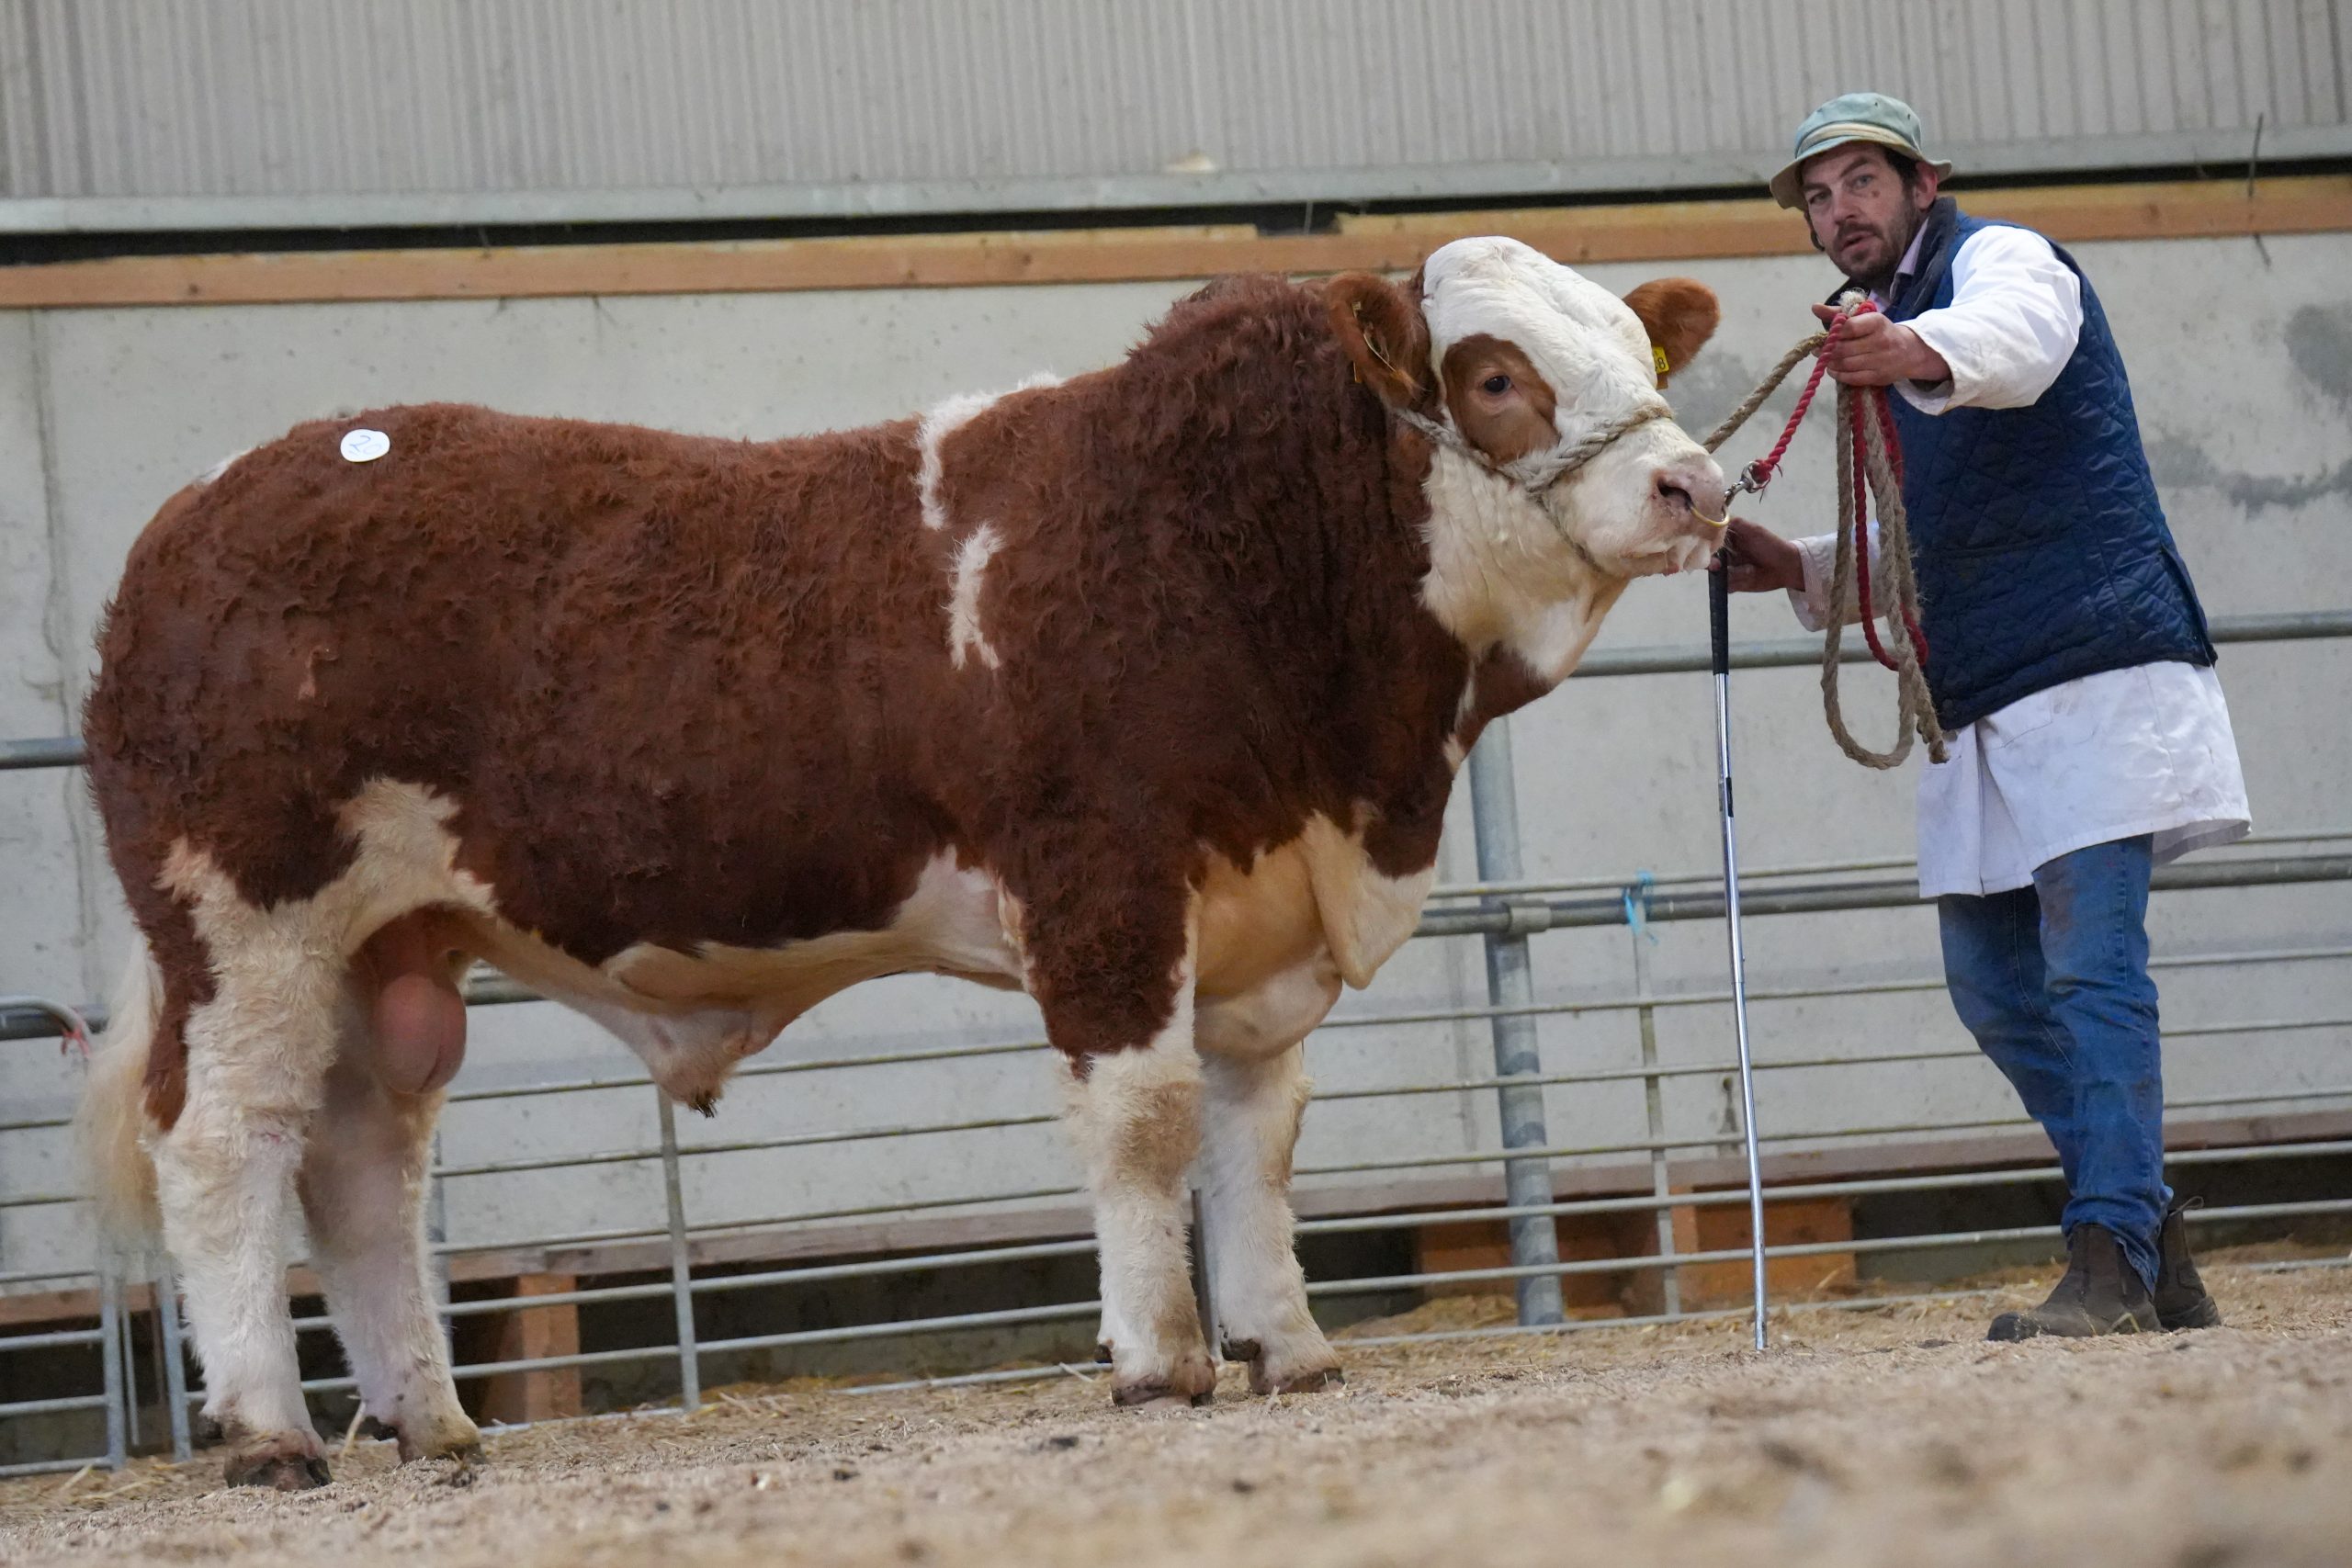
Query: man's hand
(1756, 560)
(1875, 352)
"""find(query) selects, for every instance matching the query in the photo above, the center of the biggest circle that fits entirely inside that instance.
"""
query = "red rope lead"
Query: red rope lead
(1759, 473)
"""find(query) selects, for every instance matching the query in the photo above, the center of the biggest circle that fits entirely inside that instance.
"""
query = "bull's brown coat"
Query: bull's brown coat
(686, 690)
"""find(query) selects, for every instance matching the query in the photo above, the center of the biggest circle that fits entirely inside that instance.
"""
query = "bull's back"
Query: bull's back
(630, 660)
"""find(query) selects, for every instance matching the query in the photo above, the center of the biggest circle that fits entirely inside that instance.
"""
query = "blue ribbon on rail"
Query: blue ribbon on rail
(1637, 906)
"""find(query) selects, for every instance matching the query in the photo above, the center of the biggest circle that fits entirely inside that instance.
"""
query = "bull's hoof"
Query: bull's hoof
(1310, 1373)
(1192, 1380)
(1158, 1396)
(1313, 1381)
(286, 1463)
(457, 1439)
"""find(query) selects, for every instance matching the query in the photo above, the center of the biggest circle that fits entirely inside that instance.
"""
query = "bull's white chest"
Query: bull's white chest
(1318, 894)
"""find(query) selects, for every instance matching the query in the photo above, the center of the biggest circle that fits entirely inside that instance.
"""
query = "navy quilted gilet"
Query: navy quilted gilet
(2041, 549)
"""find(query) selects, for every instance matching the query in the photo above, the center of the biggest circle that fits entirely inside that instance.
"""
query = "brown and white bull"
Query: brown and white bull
(1141, 692)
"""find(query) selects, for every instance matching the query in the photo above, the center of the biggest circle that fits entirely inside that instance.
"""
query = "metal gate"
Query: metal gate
(1519, 1179)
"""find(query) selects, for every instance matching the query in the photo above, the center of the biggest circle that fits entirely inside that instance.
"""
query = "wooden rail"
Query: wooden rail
(1674, 231)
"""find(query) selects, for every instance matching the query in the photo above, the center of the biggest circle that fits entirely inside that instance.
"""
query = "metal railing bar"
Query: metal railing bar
(666, 1352)
(1795, 1191)
(588, 1297)
(911, 1205)
(2294, 1264)
(1530, 886)
(1628, 1001)
(1660, 1320)
(498, 1369)
(1704, 1069)
(747, 1145)
(49, 1466)
(546, 1162)
(1663, 1070)
(1446, 890)
(1568, 1151)
(1833, 897)
(762, 1069)
(1085, 1373)
(43, 1341)
(1641, 1262)
(1061, 1312)
(1806, 652)
(27, 1275)
(822, 1272)
(51, 1406)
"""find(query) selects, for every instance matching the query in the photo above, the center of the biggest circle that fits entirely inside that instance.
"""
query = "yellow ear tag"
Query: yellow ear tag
(1658, 359)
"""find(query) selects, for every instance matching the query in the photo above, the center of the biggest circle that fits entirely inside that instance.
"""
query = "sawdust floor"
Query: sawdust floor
(1891, 1434)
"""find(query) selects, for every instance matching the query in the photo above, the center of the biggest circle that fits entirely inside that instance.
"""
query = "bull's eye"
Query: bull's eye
(1495, 386)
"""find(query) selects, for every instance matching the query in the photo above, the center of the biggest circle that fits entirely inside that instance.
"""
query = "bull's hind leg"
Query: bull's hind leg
(258, 1052)
(1255, 1282)
(363, 1187)
(1135, 1115)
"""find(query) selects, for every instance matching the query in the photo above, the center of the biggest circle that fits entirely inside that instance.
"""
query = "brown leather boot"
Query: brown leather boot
(2099, 1294)
(2180, 1298)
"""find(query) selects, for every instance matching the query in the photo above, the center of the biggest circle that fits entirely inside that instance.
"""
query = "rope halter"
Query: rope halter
(1539, 472)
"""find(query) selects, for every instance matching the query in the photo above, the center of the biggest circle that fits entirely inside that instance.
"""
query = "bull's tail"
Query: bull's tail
(120, 1177)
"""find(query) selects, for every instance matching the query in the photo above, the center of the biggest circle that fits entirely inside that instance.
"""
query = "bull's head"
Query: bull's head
(1557, 473)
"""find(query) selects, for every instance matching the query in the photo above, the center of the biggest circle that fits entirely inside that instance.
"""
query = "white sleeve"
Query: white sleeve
(1819, 552)
(2015, 316)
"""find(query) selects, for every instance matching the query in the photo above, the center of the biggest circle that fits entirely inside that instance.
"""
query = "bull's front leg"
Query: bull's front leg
(1257, 1291)
(1252, 1047)
(1134, 1110)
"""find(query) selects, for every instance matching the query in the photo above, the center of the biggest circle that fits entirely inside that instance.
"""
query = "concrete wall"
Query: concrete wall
(2242, 358)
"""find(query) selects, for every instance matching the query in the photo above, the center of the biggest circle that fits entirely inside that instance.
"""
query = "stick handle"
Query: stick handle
(1719, 619)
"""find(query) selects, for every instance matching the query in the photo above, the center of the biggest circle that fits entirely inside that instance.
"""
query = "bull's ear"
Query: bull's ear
(1381, 327)
(1680, 314)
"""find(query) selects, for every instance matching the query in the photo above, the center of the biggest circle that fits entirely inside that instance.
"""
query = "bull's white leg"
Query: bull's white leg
(1135, 1115)
(363, 1187)
(1113, 1329)
(258, 1052)
(1254, 1106)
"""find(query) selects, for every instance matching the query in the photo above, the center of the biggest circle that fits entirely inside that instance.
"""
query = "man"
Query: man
(2070, 664)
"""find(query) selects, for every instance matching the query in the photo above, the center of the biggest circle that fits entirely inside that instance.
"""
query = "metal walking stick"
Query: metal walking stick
(1719, 627)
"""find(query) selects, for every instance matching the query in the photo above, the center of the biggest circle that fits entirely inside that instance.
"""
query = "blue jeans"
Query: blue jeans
(2053, 980)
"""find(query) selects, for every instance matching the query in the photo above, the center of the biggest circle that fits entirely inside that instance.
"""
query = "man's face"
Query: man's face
(1862, 214)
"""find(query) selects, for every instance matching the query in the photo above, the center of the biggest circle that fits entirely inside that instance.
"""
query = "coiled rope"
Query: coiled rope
(1870, 467)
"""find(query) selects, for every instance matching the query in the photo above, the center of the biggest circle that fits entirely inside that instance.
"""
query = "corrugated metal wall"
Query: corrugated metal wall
(137, 112)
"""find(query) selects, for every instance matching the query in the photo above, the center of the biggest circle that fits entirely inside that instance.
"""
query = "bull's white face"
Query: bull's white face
(1531, 359)
(1516, 369)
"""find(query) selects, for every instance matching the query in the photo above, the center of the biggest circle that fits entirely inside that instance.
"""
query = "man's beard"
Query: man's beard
(1872, 261)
